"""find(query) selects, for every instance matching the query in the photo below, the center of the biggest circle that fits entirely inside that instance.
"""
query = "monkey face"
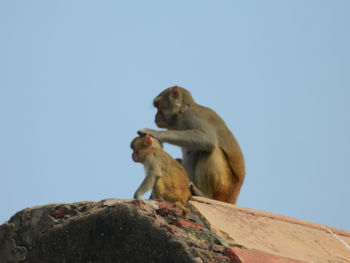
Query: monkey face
(135, 156)
(160, 119)
(168, 105)
(159, 103)
(141, 146)
(137, 150)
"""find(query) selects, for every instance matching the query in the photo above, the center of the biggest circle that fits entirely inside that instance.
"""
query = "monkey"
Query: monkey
(164, 175)
(211, 155)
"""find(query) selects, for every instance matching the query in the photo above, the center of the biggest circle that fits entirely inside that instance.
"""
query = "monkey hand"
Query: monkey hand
(137, 196)
(152, 133)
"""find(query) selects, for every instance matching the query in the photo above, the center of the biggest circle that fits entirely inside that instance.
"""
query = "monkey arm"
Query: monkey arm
(193, 140)
(147, 183)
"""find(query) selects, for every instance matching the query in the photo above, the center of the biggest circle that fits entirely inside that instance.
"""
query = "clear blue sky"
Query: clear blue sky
(77, 79)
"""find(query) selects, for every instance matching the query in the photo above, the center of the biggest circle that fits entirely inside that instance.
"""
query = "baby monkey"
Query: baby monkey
(164, 175)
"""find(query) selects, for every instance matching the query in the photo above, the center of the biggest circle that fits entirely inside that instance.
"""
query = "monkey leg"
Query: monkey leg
(182, 207)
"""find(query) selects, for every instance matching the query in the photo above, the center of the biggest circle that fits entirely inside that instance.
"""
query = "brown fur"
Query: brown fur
(170, 181)
(211, 154)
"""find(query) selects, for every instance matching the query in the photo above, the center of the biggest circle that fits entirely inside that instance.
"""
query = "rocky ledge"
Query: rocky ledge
(111, 230)
(115, 230)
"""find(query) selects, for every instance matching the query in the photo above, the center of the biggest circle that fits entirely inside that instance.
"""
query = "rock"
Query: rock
(256, 236)
(166, 208)
(244, 255)
(181, 222)
(115, 230)
(108, 231)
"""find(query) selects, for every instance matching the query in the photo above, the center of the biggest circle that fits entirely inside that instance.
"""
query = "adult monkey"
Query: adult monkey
(211, 155)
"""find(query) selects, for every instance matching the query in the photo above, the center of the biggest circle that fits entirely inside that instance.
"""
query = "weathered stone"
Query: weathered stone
(59, 213)
(159, 219)
(181, 222)
(273, 234)
(109, 231)
(219, 249)
(116, 230)
(173, 229)
(121, 233)
(166, 209)
(240, 255)
(221, 259)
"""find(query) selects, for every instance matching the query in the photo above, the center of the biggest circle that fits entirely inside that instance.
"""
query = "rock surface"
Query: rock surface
(115, 230)
(280, 238)
(108, 231)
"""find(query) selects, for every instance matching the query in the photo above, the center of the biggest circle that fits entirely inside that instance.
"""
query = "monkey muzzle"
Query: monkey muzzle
(134, 157)
(160, 120)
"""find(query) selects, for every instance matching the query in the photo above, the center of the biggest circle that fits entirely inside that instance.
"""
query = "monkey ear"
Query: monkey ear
(148, 140)
(175, 92)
